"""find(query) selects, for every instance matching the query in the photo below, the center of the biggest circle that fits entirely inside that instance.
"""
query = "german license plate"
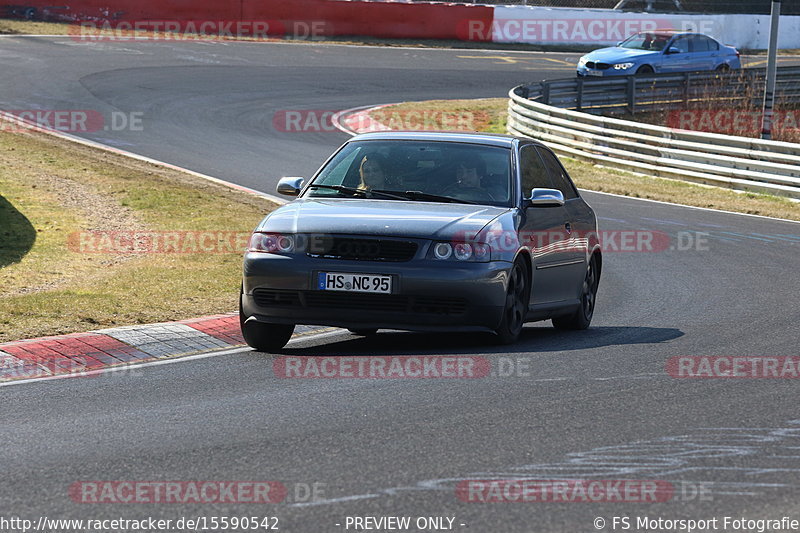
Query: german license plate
(342, 281)
(594, 72)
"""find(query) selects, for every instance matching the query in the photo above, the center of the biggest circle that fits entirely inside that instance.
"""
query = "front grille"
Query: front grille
(439, 306)
(360, 249)
(598, 66)
(276, 298)
(424, 305)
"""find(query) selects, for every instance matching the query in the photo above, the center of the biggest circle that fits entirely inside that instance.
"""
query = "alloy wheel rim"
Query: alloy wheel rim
(589, 290)
(515, 300)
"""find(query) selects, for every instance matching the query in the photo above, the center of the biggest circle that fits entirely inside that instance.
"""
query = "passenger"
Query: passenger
(372, 172)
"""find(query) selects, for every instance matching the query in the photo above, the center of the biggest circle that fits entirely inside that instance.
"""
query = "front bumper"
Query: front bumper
(426, 294)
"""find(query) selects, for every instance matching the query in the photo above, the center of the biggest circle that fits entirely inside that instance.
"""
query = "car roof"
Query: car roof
(672, 33)
(489, 139)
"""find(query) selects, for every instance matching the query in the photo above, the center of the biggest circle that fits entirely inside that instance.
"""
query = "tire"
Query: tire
(264, 337)
(723, 68)
(583, 316)
(645, 69)
(516, 304)
(29, 13)
(368, 332)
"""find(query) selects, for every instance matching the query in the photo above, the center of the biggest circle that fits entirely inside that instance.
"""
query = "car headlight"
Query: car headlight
(623, 66)
(272, 243)
(461, 251)
(582, 61)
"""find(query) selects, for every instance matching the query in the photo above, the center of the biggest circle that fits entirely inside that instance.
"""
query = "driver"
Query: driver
(469, 175)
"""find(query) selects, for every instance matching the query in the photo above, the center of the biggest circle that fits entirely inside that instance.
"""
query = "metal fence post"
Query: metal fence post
(631, 90)
(687, 79)
(579, 102)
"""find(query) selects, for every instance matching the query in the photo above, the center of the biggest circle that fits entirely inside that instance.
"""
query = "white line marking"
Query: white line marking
(133, 366)
(691, 206)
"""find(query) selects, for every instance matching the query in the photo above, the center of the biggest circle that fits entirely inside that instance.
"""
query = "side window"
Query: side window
(533, 172)
(682, 44)
(699, 44)
(559, 176)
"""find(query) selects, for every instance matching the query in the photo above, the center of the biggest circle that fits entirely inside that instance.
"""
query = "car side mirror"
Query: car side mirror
(290, 186)
(545, 198)
(619, 43)
(672, 50)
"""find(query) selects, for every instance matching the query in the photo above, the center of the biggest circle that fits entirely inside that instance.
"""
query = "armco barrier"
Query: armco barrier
(726, 161)
(632, 94)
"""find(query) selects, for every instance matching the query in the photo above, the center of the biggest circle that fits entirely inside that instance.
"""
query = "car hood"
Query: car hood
(615, 54)
(380, 217)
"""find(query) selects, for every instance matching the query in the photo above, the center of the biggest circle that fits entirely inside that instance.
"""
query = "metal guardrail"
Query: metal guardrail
(739, 163)
(655, 92)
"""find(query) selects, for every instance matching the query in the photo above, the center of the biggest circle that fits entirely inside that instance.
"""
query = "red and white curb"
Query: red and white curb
(358, 120)
(80, 353)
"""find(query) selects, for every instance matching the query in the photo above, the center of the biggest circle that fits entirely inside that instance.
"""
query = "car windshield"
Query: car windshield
(646, 41)
(429, 171)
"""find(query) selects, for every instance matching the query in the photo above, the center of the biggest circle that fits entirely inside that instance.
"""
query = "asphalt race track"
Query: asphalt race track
(596, 404)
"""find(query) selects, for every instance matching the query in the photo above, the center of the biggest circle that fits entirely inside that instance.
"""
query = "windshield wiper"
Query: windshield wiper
(354, 191)
(419, 195)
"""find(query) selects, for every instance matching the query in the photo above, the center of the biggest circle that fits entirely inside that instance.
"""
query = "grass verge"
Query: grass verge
(490, 115)
(67, 217)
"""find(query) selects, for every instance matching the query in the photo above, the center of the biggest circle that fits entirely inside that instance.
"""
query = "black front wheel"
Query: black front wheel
(515, 309)
(583, 316)
(264, 337)
(644, 69)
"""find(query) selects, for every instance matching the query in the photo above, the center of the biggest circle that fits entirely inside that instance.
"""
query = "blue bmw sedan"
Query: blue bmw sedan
(424, 231)
(660, 51)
